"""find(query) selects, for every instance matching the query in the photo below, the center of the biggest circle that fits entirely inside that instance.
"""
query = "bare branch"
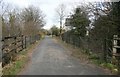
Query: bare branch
(60, 10)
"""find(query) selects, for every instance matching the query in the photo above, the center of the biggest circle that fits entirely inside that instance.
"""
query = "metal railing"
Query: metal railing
(102, 47)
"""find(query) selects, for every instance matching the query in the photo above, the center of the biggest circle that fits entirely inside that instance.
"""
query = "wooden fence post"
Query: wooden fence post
(116, 54)
(29, 39)
(13, 53)
(114, 44)
(15, 43)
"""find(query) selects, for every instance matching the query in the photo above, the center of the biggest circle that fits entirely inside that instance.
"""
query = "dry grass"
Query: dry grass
(82, 55)
(21, 60)
(74, 51)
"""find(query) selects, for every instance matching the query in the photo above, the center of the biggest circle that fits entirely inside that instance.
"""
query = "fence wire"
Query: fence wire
(101, 47)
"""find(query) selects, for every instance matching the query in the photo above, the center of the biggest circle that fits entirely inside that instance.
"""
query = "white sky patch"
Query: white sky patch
(48, 7)
(19, 3)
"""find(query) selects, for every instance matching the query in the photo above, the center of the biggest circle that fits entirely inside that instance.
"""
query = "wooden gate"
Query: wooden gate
(116, 50)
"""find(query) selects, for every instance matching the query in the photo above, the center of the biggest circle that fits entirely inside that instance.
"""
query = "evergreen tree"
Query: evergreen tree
(79, 22)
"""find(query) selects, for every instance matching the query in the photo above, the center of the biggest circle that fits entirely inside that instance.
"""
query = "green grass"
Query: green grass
(96, 60)
(108, 65)
(15, 68)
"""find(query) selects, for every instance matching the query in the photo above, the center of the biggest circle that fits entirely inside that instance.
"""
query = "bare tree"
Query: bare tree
(4, 8)
(99, 8)
(60, 10)
(4, 18)
(33, 20)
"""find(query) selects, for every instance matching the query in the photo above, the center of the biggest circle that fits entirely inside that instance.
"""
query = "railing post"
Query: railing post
(105, 50)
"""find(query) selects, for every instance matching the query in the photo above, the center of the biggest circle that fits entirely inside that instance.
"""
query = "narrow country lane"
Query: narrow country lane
(50, 58)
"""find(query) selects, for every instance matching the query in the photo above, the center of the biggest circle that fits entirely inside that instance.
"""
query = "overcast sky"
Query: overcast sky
(47, 6)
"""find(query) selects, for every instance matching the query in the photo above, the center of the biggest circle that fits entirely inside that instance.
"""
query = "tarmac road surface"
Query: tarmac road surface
(50, 58)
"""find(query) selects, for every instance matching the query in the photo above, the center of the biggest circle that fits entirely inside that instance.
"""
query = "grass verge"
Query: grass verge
(74, 51)
(88, 57)
(21, 60)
